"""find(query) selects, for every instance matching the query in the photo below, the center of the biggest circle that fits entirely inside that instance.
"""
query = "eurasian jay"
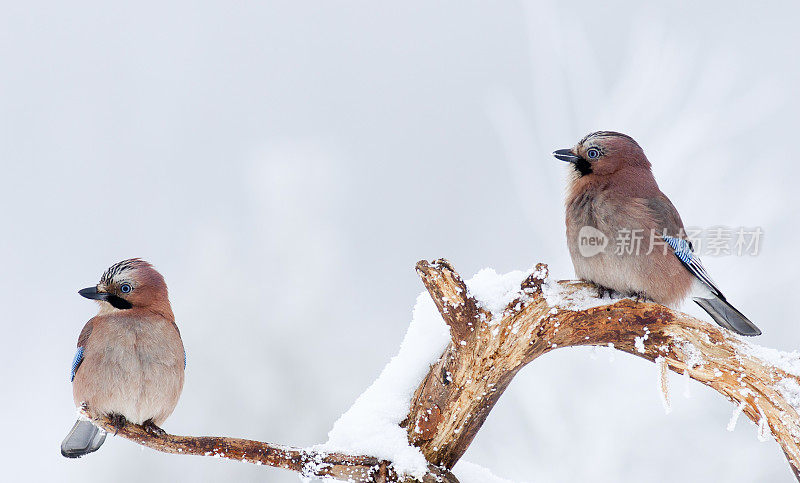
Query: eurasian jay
(130, 359)
(612, 194)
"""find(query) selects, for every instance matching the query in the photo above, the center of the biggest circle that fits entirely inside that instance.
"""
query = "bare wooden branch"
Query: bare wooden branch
(308, 463)
(486, 352)
(461, 313)
(456, 396)
(460, 390)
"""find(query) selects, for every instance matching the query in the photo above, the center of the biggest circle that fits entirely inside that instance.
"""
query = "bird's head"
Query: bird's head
(602, 153)
(128, 284)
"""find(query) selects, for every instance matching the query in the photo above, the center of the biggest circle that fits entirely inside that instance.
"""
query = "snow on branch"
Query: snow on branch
(404, 429)
(541, 315)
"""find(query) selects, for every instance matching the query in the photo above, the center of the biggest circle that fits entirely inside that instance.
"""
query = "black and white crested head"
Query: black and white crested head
(122, 271)
(131, 283)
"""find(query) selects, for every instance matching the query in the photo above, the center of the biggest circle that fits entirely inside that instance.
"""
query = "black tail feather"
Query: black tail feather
(727, 316)
(82, 439)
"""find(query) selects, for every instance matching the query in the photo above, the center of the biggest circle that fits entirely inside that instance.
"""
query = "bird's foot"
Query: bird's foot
(603, 292)
(152, 429)
(640, 297)
(118, 421)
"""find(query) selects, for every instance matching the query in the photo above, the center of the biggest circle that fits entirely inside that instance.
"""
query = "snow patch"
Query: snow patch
(790, 390)
(735, 417)
(694, 358)
(495, 291)
(560, 296)
(372, 425)
(763, 426)
(786, 361)
(638, 343)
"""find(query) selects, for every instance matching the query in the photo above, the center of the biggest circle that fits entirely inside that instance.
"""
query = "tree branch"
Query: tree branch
(486, 352)
(456, 396)
(308, 463)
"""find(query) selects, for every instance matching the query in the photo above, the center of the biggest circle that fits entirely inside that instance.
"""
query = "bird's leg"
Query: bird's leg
(118, 421)
(640, 297)
(152, 429)
(603, 292)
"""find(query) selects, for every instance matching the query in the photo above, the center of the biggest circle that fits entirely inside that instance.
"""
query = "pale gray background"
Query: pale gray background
(285, 164)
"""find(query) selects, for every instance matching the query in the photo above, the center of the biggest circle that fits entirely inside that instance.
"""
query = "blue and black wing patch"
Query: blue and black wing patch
(76, 363)
(683, 250)
(715, 304)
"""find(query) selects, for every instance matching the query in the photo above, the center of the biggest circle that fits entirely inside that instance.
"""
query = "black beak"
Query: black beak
(566, 155)
(92, 293)
(115, 301)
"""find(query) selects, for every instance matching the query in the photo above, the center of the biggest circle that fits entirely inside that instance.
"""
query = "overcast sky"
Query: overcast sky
(285, 165)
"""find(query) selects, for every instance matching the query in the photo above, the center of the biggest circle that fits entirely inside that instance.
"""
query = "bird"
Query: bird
(130, 361)
(612, 195)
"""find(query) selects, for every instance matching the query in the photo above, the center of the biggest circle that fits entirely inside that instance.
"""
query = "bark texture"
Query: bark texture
(456, 396)
(307, 462)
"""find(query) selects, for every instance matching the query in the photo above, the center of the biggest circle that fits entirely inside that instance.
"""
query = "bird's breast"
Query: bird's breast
(587, 209)
(133, 367)
(614, 241)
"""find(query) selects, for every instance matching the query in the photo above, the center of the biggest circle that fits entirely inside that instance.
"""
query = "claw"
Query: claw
(603, 292)
(152, 429)
(118, 421)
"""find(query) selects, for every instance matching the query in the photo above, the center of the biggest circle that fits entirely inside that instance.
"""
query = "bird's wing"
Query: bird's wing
(666, 215)
(82, 339)
(76, 363)
(174, 325)
(683, 250)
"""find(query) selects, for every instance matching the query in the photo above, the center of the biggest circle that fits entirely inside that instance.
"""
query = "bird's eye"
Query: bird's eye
(593, 153)
(125, 288)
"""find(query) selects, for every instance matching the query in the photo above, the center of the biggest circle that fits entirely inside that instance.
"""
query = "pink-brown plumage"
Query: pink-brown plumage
(645, 252)
(130, 362)
(622, 199)
(132, 366)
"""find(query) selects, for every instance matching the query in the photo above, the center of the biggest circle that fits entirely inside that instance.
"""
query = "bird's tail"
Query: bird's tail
(727, 316)
(82, 439)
